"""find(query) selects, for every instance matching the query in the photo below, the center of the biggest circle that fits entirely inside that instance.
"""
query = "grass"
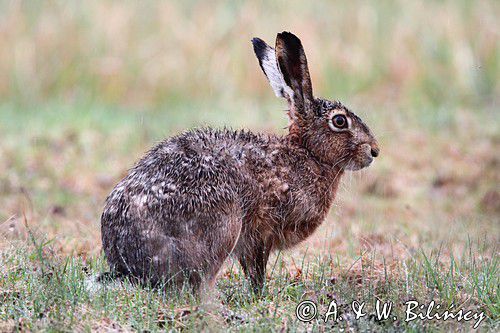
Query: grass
(41, 290)
(90, 86)
(387, 237)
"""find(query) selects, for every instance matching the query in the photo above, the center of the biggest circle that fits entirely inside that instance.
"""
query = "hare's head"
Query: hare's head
(332, 133)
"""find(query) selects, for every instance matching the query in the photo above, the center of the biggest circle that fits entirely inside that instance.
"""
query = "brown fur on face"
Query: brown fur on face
(201, 196)
(350, 148)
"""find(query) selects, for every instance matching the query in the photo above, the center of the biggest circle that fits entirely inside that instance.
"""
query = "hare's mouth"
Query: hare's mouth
(359, 163)
(363, 157)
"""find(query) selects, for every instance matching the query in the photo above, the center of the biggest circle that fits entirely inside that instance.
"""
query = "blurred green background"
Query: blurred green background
(426, 55)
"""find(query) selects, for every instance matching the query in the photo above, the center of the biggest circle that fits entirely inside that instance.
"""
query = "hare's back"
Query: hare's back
(198, 171)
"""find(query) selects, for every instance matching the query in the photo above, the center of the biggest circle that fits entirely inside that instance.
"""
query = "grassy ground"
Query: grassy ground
(90, 86)
(426, 229)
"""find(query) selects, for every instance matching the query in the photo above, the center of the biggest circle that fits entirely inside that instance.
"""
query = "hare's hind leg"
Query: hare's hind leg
(195, 256)
(220, 241)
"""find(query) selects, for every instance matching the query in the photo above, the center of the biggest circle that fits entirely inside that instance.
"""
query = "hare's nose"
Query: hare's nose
(375, 151)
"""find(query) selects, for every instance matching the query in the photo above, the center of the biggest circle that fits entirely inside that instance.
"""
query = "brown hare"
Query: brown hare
(201, 196)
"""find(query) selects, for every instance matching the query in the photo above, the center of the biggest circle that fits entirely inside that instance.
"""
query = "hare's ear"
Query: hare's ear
(267, 61)
(292, 63)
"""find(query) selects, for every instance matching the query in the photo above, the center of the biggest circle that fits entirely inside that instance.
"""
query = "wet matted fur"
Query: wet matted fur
(201, 196)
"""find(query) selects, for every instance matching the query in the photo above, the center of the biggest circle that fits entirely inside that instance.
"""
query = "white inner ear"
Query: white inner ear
(273, 73)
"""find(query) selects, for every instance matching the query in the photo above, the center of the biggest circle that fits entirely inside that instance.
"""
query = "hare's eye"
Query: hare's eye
(339, 121)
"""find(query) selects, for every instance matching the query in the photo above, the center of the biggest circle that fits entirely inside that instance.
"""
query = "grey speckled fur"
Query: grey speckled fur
(203, 195)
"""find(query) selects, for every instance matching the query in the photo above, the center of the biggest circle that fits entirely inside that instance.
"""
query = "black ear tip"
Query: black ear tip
(259, 47)
(289, 40)
(257, 42)
(286, 33)
(288, 37)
